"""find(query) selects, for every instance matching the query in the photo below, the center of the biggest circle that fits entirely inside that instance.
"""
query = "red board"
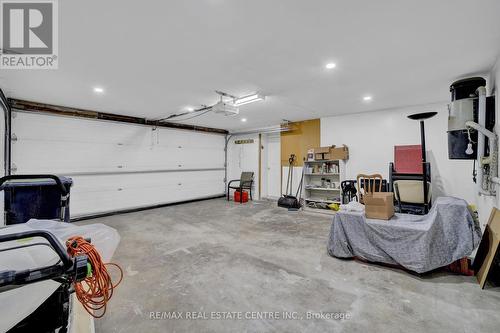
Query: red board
(408, 159)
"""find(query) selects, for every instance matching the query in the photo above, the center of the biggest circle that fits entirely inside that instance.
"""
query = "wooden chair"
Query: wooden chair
(369, 184)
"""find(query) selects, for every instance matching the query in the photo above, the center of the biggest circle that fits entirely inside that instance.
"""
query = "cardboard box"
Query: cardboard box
(488, 248)
(339, 153)
(322, 157)
(379, 205)
(322, 153)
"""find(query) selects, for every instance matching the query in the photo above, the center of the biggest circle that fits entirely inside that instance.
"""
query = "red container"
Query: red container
(237, 197)
(408, 159)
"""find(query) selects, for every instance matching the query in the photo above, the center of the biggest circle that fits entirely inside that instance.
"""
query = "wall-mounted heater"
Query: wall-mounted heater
(471, 122)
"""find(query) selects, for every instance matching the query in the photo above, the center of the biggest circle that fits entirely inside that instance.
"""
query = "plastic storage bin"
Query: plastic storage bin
(35, 196)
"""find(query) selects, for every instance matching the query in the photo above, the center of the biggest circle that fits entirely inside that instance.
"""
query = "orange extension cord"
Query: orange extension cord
(96, 290)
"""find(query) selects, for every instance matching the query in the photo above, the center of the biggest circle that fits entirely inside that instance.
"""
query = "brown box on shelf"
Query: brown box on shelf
(322, 153)
(339, 153)
(379, 205)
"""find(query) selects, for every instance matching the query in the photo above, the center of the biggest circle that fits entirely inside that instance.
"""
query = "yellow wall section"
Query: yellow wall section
(303, 136)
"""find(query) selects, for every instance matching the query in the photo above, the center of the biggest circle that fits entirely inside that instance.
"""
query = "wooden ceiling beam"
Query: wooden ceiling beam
(31, 106)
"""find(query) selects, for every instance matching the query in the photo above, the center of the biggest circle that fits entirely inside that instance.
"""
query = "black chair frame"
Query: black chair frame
(242, 185)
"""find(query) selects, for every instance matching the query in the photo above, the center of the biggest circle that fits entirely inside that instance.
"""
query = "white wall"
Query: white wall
(371, 138)
(296, 176)
(244, 157)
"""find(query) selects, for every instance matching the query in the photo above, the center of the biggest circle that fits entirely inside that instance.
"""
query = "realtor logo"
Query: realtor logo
(29, 34)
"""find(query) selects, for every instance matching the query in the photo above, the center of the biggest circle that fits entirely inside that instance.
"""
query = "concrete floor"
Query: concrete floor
(257, 259)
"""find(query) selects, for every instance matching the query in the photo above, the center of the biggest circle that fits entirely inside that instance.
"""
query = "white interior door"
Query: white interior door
(273, 165)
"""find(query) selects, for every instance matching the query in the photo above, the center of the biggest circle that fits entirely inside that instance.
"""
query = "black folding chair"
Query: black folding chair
(244, 183)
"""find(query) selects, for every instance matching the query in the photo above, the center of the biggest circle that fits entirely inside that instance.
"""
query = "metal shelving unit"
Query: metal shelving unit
(322, 183)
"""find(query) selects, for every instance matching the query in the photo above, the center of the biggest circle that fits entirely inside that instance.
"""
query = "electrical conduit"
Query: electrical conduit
(483, 183)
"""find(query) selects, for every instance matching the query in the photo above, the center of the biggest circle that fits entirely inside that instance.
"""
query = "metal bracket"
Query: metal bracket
(221, 93)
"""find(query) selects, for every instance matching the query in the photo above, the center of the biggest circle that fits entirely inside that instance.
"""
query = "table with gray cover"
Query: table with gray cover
(418, 243)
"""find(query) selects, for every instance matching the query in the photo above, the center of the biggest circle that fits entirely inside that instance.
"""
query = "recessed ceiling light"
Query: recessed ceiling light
(243, 119)
(330, 65)
(98, 90)
(367, 98)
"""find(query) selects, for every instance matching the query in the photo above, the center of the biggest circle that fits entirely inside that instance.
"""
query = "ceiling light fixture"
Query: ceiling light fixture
(330, 65)
(248, 99)
(367, 98)
(98, 90)
(243, 119)
(189, 109)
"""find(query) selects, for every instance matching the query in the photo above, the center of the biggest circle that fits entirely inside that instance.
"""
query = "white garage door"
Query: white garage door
(117, 166)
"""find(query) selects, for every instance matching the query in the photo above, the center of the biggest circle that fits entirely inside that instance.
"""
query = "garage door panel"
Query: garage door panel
(116, 192)
(70, 130)
(152, 180)
(119, 166)
(106, 157)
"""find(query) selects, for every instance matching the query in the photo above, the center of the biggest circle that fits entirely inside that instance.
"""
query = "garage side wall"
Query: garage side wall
(243, 155)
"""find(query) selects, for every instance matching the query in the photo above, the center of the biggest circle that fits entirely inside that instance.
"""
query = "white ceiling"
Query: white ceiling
(154, 58)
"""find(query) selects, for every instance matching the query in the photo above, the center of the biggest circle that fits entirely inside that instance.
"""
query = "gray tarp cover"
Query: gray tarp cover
(419, 243)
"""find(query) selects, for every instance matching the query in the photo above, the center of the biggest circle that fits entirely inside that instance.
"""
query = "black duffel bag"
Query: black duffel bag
(288, 201)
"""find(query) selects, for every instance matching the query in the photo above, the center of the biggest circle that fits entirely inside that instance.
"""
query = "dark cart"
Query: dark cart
(52, 315)
(35, 196)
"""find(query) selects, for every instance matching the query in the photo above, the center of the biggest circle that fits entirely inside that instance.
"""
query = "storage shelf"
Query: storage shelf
(322, 189)
(321, 161)
(325, 201)
(313, 190)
